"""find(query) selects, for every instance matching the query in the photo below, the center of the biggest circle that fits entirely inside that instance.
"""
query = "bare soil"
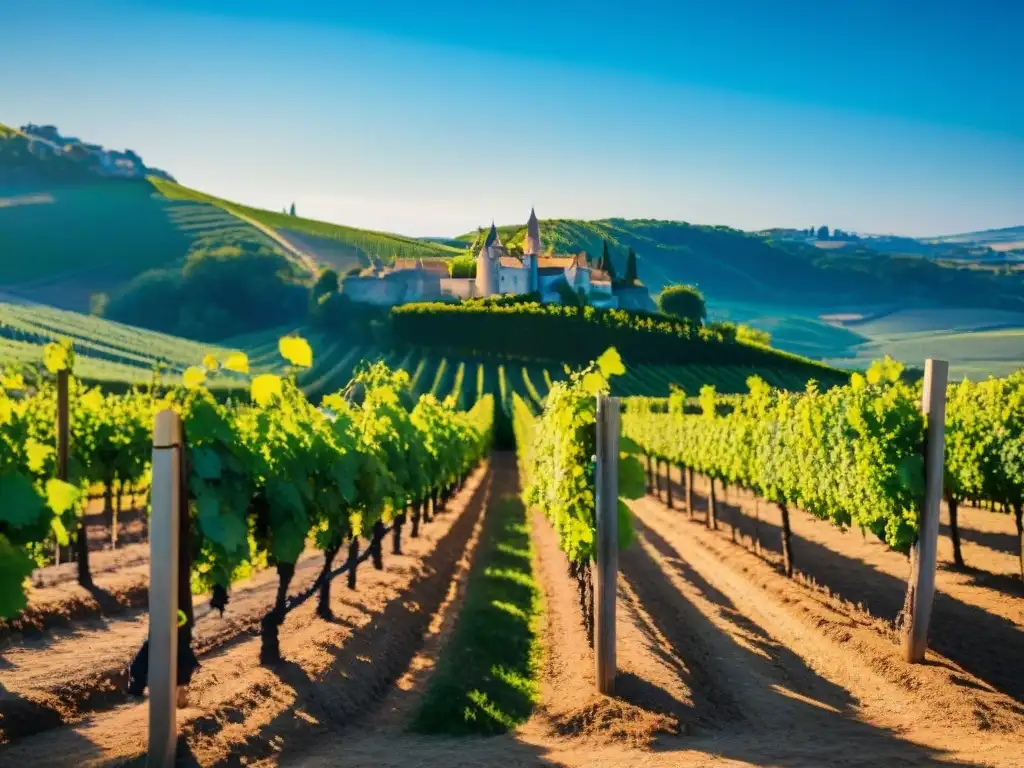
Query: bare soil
(722, 660)
(240, 706)
(978, 616)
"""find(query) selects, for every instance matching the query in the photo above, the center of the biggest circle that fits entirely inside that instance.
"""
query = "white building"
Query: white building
(498, 272)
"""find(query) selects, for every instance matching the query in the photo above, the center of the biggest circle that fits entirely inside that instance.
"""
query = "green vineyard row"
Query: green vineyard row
(265, 477)
(851, 455)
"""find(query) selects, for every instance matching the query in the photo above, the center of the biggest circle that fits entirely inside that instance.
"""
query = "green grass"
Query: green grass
(974, 354)
(383, 245)
(486, 681)
(92, 238)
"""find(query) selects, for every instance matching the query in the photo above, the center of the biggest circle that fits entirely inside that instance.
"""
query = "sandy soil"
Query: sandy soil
(722, 661)
(385, 619)
(978, 618)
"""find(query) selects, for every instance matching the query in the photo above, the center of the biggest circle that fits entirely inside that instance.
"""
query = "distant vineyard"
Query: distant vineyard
(382, 245)
(109, 352)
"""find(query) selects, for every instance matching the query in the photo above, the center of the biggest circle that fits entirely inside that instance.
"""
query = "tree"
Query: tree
(327, 282)
(755, 335)
(293, 209)
(605, 264)
(98, 304)
(462, 266)
(823, 233)
(683, 301)
(631, 275)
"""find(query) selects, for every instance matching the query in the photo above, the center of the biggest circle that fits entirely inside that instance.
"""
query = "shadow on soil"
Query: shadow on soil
(372, 657)
(999, 542)
(740, 687)
(976, 640)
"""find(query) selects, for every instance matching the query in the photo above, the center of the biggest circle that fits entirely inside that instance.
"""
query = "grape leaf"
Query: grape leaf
(15, 567)
(206, 463)
(631, 478)
(20, 502)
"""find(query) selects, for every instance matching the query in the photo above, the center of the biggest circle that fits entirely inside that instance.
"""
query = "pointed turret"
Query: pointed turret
(532, 242)
(488, 263)
(492, 237)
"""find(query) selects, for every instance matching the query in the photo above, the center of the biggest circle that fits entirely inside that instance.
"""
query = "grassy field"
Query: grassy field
(359, 244)
(65, 243)
(971, 354)
(114, 226)
(977, 342)
(486, 681)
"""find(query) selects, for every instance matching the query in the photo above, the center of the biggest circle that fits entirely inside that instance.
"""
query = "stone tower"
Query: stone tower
(531, 251)
(488, 262)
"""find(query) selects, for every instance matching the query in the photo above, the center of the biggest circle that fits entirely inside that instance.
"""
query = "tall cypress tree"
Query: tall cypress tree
(293, 209)
(631, 267)
(606, 262)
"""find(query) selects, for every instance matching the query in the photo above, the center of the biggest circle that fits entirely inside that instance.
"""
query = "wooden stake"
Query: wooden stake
(921, 586)
(163, 589)
(62, 554)
(689, 492)
(606, 573)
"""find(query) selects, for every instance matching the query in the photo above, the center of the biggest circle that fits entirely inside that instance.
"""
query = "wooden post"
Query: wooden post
(62, 554)
(689, 492)
(921, 588)
(164, 541)
(606, 573)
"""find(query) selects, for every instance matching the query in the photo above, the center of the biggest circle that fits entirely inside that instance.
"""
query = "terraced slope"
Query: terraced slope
(113, 352)
(106, 351)
(64, 243)
(331, 242)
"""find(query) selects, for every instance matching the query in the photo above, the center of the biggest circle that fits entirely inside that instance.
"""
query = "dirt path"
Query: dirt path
(58, 676)
(722, 661)
(334, 670)
(799, 669)
(978, 627)
(714, 668)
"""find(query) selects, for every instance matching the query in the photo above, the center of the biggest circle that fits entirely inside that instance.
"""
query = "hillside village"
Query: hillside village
(500, 272)
(39, 148)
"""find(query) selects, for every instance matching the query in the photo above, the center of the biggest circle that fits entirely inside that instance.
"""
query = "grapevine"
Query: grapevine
(265, 479)
(557, 460)
(851, 455)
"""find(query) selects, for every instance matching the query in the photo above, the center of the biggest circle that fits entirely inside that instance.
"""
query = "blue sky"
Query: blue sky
(433, 118)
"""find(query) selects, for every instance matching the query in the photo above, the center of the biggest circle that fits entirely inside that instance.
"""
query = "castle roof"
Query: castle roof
(492, 237)
(428, 265)
(532, 242)
(564, 262)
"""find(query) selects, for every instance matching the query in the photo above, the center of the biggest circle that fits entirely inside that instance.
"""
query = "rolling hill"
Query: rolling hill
(1004, 239)
(731, 265)
(68, 238)
(334, 241)
(814, 301)
(77, 220)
